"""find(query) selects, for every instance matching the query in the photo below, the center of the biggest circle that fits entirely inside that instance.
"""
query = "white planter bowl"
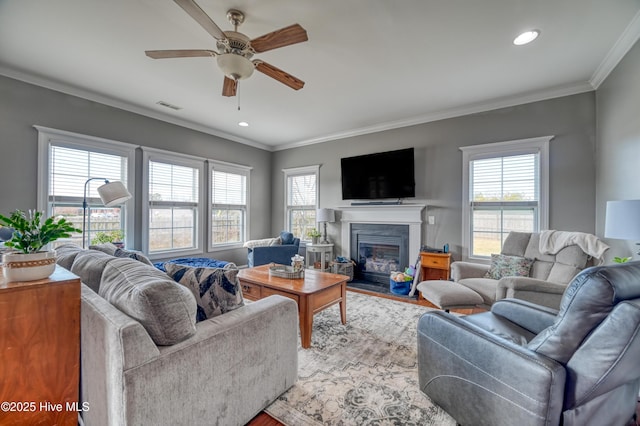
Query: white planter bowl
(28, 267)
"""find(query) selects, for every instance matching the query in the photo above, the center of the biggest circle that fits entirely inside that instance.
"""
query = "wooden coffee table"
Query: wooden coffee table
(313, 293)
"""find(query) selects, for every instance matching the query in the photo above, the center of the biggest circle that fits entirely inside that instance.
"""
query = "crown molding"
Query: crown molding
(625, 42)
(554, 92)
(95, 97)
(497, 103)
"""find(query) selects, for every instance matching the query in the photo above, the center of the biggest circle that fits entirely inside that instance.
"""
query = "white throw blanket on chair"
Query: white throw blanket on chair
(551, 242)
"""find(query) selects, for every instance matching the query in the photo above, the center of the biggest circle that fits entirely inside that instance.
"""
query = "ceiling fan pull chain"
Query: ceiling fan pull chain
(238, 92)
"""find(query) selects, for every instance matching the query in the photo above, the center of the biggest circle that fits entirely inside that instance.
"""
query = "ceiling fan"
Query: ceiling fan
(235, 49)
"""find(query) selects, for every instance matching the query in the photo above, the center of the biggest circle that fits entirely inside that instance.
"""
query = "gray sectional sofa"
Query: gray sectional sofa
(153, 365)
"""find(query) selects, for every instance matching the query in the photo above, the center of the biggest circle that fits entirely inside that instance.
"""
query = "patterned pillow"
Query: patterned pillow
(508, 266)
(139, 256)
(217, 290)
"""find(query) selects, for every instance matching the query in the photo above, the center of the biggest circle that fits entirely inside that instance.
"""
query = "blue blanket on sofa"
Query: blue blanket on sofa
(196, 262)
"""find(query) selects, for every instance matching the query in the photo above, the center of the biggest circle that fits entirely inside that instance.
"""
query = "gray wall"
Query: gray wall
(618, 148)
(22, 105)
(439, 163)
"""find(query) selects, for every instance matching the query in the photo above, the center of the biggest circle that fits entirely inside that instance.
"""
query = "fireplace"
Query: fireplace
(389, 237)
(379, 250)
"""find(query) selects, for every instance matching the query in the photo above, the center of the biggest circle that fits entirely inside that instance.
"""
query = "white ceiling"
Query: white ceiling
(369, 65)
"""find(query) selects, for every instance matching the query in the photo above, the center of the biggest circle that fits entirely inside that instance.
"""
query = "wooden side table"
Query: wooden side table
(435, 266)
(326, 255)
(40, 349)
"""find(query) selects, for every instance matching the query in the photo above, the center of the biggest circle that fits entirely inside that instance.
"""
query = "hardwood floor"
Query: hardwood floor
(263, 419)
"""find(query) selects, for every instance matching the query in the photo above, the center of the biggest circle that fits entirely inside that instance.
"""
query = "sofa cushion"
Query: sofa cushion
(66, 254)
(541, 269)
(89, 266)
(131, 254)
(516, 243)
(561, 273)
(165, 309)
(216, 290)
(108, 248)
(508, 266)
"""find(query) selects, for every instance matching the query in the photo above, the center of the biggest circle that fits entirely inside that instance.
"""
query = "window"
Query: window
(173, 192)
(66, 161)
(505, 189)
(229, 210)
(301, 198)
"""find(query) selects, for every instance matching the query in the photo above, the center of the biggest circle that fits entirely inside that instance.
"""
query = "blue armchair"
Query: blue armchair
(282, 253)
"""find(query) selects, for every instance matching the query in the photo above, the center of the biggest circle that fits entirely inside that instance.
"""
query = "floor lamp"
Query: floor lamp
(622, 220)
(111, 194)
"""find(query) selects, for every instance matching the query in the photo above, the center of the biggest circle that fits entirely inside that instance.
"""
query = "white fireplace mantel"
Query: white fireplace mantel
(396, 214)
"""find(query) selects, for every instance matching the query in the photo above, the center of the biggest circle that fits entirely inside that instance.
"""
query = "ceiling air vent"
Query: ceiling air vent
(168, 105)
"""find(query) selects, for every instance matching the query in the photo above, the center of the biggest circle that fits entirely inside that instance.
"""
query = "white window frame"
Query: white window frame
(231, 168)
(169, 157)
(48, 137)
(539, 145)
(299, 171)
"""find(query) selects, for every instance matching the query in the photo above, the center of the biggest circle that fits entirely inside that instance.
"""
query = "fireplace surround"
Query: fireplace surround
(393, 225)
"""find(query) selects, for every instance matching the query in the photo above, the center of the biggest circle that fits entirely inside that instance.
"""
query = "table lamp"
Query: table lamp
(622, 220)
(324, 216)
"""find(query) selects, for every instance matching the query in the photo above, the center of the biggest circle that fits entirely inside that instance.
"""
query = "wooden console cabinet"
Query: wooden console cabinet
(40, 350)
(435, 266)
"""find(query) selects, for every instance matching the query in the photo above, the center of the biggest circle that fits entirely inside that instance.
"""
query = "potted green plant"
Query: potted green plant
(30, 234)
(115, 237)
(314, 234)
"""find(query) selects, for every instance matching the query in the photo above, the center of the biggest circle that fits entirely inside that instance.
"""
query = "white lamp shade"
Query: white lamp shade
(622, 220)
(113, 193)
(326, 215)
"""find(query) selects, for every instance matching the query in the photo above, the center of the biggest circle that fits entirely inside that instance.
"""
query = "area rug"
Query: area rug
(361, 373)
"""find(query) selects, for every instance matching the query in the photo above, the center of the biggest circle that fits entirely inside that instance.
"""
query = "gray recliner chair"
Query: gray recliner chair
(525, 364)
(547, 281)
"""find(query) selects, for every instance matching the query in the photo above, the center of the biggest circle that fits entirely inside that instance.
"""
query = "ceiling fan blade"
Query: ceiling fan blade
(229, 87)
(283, 37)
(187, 53)
(278, 74)
(192, 8)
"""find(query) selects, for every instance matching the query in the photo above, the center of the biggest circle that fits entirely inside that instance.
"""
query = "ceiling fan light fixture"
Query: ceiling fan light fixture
(526, 37)
(235, 66)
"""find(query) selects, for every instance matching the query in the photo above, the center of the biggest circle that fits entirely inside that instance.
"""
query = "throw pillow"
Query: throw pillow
(139, 256)
(265, 242)
(286, 237)
(217, 290)
(508, 266)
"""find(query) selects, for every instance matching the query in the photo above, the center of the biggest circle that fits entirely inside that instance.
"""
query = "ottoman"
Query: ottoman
(449, 295)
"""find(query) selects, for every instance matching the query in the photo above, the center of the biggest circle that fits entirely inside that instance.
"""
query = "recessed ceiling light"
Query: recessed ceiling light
(526, 37)
(243, 124)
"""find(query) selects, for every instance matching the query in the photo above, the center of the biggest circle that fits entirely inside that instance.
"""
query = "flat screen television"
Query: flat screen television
(378, 176)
